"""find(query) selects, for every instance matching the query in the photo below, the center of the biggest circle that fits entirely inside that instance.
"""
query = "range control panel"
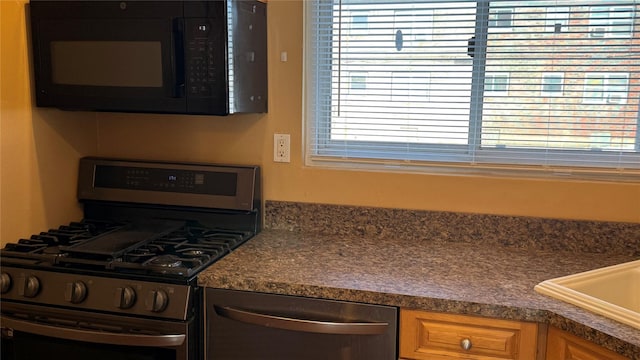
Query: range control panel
(174, 180)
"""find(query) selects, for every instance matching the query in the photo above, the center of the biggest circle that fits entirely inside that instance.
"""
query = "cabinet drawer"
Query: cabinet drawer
(426, 335)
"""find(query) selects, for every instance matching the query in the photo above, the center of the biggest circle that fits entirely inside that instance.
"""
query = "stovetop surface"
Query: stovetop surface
(156, 248)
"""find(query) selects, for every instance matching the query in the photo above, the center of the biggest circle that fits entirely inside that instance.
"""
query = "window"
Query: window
(552, 84)
(466, 98)
(606, 88)
(360, 20)
(501, 18)
(358, 81)
(611, 21)
(496, 84)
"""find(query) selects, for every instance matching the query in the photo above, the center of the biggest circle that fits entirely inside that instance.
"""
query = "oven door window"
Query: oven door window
(34, 347)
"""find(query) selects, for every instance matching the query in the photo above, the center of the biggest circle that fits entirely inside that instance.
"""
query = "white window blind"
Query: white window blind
(541, 84)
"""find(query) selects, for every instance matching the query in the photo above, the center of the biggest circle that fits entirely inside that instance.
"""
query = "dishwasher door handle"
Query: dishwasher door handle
(302, 325)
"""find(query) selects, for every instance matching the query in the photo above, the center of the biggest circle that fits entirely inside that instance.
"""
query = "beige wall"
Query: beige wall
(40, 149)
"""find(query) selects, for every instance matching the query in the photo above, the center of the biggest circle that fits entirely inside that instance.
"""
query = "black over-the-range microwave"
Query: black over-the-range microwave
(155, 56)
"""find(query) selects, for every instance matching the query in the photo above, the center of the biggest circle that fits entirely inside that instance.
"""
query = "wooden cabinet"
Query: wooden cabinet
(437, 336)
(564, 346)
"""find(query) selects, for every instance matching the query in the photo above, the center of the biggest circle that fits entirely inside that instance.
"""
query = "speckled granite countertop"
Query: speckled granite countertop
(436, 276)
(478, 264)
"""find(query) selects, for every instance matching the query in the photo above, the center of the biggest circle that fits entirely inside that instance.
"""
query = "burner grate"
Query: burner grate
(65, 235)
(182, 252)
(179, 252)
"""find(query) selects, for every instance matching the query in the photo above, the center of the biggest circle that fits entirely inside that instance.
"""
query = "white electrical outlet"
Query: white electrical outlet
(281, 148)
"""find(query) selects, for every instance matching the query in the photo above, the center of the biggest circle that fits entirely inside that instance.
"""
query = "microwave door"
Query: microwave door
(110, 64)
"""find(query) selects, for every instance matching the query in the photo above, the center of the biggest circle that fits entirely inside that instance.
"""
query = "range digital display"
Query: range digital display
(167, 180)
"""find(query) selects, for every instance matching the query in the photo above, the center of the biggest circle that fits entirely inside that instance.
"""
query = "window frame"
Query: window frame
(606, 88)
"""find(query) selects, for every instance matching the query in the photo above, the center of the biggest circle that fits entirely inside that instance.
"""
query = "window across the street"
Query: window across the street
(552, 84)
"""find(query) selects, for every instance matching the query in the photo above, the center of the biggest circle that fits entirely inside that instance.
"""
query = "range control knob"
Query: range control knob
(5, 282)
(29, 286)
(156, 301)
(75, 292)
(125, 297)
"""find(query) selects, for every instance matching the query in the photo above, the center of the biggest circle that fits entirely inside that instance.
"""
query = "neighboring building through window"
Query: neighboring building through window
(411, 87)
(414, 24)
(557, 19)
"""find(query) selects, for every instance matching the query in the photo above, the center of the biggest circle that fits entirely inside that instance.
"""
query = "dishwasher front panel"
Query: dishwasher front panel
(250, 326)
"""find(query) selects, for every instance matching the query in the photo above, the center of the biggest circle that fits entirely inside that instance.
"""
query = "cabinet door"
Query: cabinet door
(564, 346)
(435, 336)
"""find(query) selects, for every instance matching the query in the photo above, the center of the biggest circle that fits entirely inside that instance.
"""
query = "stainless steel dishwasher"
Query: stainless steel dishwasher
(249, 326)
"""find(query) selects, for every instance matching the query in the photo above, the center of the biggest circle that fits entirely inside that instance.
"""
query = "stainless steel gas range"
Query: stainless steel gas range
(122, 282)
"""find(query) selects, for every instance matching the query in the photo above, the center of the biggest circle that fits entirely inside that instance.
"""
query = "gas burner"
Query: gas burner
(168, 261)
(144, 252)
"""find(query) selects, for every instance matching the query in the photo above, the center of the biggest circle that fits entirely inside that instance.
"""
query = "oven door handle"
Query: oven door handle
(302, 325)
(102, 337)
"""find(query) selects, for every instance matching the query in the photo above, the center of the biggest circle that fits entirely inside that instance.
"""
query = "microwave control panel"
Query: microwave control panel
(201, 48)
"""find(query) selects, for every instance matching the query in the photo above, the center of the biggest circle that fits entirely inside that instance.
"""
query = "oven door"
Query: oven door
(34, 332)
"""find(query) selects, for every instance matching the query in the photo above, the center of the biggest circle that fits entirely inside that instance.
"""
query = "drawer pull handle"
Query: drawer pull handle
(465, 344)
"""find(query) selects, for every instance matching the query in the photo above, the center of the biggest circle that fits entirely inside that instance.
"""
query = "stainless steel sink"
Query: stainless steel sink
(612, 291)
